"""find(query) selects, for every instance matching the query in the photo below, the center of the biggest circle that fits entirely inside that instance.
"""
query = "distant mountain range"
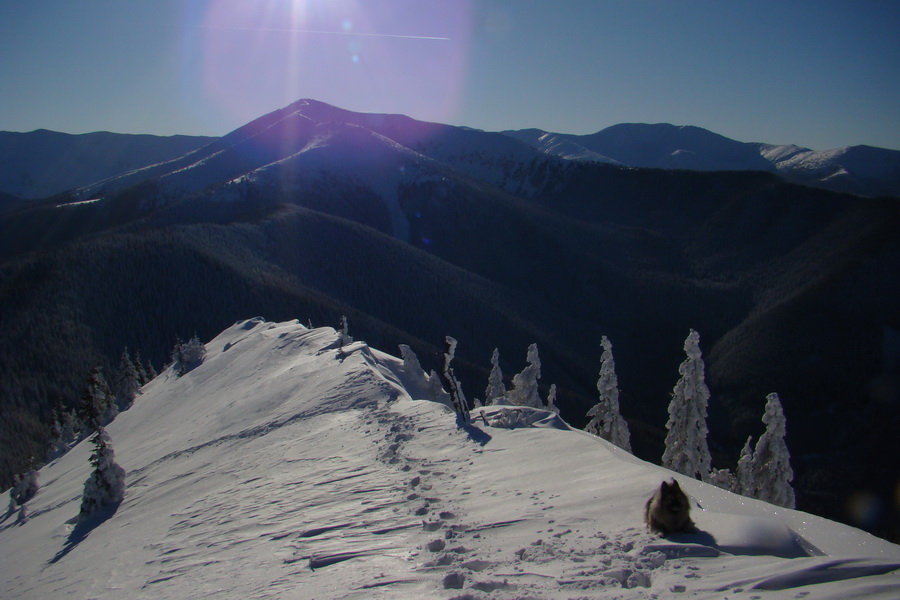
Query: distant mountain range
(43, 163)
(862, 170)
(420, 230)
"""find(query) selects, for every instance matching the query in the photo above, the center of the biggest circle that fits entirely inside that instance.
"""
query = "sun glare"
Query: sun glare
(254, 57)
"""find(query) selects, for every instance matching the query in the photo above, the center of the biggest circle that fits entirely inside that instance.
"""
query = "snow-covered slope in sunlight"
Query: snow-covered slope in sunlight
(559, 145)
(855, 169)
(287, 466)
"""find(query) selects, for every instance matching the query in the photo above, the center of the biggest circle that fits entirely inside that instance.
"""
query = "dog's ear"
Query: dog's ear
(664, 486)
(674, 485)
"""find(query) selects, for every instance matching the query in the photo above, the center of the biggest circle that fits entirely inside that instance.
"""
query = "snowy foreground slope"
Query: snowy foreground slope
(287, 467)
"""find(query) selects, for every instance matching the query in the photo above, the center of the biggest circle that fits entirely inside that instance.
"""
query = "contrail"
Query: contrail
(351, 33)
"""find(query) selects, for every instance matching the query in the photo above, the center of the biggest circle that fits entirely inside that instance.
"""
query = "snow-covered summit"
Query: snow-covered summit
(287, 134)
(289, 466)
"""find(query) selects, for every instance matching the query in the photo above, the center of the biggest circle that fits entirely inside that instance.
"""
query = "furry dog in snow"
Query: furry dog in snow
(668, 510)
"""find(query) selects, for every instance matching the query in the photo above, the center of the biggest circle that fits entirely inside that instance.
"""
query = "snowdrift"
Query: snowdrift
(287, 466)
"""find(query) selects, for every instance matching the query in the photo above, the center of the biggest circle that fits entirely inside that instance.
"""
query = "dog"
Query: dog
(668, 510)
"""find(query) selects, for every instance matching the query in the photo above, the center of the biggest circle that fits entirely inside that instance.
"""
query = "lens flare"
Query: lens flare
(246, 59)
(865, 509)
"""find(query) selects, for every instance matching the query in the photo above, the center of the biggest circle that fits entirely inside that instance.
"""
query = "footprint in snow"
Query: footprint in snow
(432, 525)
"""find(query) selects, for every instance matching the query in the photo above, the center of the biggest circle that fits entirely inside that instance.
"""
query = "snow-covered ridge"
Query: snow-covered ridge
(288, 466)
(856, 169)
(296, 145)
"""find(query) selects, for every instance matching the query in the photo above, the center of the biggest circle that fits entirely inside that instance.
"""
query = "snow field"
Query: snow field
(285, 466)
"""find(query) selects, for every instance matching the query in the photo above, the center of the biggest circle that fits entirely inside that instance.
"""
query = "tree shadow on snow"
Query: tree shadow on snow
(476, 434)
(82, 529)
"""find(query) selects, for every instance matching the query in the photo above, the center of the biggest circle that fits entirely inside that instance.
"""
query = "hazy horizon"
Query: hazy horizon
(821, 75)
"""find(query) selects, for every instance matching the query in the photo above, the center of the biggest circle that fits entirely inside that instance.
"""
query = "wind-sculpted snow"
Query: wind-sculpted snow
(289, 466)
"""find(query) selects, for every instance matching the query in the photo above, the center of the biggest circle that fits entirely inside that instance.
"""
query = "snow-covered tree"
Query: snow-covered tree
(98, 405)
(607, 422)
(63, 431)
(150, 372)
(724, 479)
(106, 484)
(143, 376)
(456, 394)
(186, 356)
(525, 384)
(771, 466)
(127, 381)
(687, 451)
(435, 389)
(495, 387)
(346, 338)
(744, 472)
(411, 365)
(24, 488)
(411, 374)
(193, 353)
(551, 399)
(177, 359)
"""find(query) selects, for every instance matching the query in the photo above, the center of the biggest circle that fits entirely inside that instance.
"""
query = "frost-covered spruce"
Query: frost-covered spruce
(24, 488)
(551, 399)
(525, 384)
(744, 473)
(687, 451)
(177, 359)
(460, 405)
(150, 372)
(435, 389)
(724, 479)
(771, 466)
(411, 365)
(346, 338)
(414, 378)
(495, 387)
(607, 421)
(106, 485)
(187, 355)
(127, 382)
(98, 405)
(143, 375)
(193, 353)
(63, 428)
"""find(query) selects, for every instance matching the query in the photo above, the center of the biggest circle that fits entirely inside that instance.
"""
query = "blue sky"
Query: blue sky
(819, 74)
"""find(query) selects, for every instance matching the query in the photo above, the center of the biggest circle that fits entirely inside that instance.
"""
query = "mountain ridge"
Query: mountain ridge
(438, 231)
(289, 463)
(43, 163)
(863, 170)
